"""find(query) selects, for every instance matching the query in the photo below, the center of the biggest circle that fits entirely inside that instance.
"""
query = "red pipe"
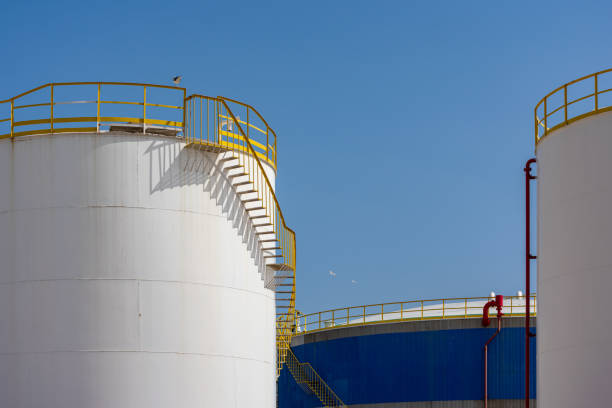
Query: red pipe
(485, 312)
(528, 258)
(499, 304)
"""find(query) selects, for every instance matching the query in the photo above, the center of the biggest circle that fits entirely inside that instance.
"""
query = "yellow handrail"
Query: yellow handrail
(290, 249)
(544, 119)
(430, 309)
(268, 128)
(95, 117)
(286, 238)
(304, 373)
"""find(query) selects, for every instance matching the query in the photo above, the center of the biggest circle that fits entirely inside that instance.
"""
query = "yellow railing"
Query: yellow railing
(305, 374)
(573, 101)
(209, 123)
(285, 330)
(431, 309)
(41, 110)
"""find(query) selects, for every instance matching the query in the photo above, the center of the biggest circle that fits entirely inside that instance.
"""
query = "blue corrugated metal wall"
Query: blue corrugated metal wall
(416, 366)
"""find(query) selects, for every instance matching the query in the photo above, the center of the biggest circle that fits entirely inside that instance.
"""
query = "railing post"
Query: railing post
(535, 120)
(217, 123)
(565, 99)
(275, 153)
(545, 116)
(382, 311)
(184, 112)
(52, 104)
(421, 310)
(319, 320)
(98, 112)
(443, 309)
(144, 109)
(465, 308)
(267, 141)
(401, 311)
(333, 318)
(12, 116)
(596, 94)
(364, 314)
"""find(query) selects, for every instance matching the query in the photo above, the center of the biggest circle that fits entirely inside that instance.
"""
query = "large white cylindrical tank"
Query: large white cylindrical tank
(574, 336)
(130, 277)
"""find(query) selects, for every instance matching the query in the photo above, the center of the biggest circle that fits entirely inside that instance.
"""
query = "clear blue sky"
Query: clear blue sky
(403, 125)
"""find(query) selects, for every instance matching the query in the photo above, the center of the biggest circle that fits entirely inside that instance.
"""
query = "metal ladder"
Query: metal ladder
(305, 374)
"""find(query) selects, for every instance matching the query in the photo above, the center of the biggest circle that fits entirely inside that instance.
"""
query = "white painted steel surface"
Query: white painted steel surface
(129, 277)
(574, 336)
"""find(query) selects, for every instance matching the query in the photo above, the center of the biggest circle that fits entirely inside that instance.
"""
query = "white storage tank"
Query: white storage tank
(574, 156)
(131, 276)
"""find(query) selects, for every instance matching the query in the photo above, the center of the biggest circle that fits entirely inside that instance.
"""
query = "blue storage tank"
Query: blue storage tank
(423, 363)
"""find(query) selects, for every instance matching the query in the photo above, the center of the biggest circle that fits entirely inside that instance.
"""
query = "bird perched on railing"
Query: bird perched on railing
(177, 79)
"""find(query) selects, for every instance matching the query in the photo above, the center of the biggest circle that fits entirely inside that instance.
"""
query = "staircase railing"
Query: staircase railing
(226, 132)
(230, 135)
(305, 374)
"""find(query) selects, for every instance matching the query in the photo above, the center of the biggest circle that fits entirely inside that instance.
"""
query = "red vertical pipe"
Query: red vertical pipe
(486, 362)
(528, 258)
(499, 304)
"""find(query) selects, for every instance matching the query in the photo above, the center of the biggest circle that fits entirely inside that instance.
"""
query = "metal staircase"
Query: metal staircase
(305, 374)
(211, 125)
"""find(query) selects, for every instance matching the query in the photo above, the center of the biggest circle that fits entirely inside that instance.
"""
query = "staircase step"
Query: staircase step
(269, 240)
(264, 232)
(273, 256)
(259, 216)
(245, 191)
(237, 175)
(236, 166)
(255, 208)
(269, 249)
(251, 200)
(226, 158)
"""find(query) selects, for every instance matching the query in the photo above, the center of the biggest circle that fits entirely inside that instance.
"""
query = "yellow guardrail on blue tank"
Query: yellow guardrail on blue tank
(430, 309)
